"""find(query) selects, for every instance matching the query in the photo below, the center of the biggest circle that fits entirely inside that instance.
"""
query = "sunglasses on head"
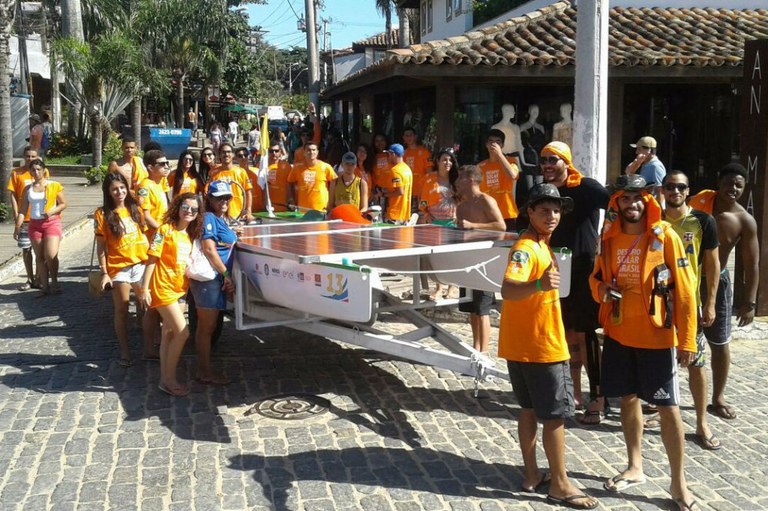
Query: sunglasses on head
(190, 209)
(680, 187)
(552, 160)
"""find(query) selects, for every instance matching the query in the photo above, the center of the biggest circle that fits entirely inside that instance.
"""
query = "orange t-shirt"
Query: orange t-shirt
(20, 179)
(235, 174)
(499, 185)
(139, 173)
(362, 174)
(152, 198)
(188, 183)
(312, 184)
(419, 159)
(437, 199)
(399, 206)
(122, 251)
(257, 194)
(381, 169)
(173, 249)
(278, 184)
(531, 329)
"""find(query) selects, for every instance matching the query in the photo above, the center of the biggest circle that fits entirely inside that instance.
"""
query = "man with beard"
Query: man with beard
(698, 232)
(735, 227)
(646, 290)
(578, 232)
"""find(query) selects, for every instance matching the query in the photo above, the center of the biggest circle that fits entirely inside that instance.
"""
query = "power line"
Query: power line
(294, 10)
(272, 13)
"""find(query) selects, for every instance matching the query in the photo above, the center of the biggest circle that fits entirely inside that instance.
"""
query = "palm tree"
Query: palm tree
(385, 7)
(7, 15)
(72, 26)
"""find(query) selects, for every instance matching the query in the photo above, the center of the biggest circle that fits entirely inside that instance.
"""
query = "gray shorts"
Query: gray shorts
(545, 388)
(720, 332)
(130, 274)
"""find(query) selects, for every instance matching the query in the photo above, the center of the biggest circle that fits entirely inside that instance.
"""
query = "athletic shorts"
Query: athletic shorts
(130, 274)
(481, 303)
(720, 332)
(208, 294)
(545, 388)
(579, 309)
(23, 241)
(701, 349)
(48, 228)
(649, 373)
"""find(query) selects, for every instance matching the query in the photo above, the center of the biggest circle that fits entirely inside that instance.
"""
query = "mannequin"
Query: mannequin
(534, 134)
(562, 131)
(513, 144)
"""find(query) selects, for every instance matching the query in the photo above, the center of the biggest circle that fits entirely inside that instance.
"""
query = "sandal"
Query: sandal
(592, 418)
(25, 286)
(180, 391)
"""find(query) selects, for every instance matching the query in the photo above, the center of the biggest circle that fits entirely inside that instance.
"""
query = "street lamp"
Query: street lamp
(290, 76)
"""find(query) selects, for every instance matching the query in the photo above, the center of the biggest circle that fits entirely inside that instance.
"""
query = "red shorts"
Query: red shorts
(39, 229)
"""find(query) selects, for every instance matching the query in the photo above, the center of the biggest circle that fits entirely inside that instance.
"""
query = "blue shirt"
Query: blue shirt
(217, 229)
(653, 171)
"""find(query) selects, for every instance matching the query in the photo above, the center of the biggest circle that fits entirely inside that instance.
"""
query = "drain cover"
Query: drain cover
(289, 407)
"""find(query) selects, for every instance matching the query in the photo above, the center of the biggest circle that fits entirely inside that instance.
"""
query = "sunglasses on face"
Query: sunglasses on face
(680, 187)
(207, 155)
(552, 160)
(188, 159)
(165, 163)
(274, 151)
(189, 209)
(223, 198)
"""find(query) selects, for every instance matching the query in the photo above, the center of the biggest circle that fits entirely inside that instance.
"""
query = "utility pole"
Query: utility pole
(326, 39)
(314, 64)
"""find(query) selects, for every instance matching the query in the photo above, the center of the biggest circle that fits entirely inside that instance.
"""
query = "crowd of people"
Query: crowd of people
(639, 278)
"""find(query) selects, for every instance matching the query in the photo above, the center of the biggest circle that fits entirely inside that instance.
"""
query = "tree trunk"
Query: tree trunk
(405, 28)
(7, 13)
(72, 26)
(136, 120)
(180, 103)
(96, 145)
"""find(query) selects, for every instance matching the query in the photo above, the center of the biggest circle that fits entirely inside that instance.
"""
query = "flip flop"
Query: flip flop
(180, 393)
(722, 411)
(125, 362)
(618, 483)
(569, 501)
(591, 418)
(652, 421)
(25, 286)
(711, 443)
(215, 380)
(546, 477)
(690, 506)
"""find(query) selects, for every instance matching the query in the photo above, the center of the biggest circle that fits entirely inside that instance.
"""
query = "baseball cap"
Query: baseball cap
(349, 157)
(348, 213)
(645, 141)
(549, 192)
(219, 188)
(34, 117)
(396, 149)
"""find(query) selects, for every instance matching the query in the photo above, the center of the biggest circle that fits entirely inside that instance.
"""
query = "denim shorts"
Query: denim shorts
(130, 274)
(208, 294)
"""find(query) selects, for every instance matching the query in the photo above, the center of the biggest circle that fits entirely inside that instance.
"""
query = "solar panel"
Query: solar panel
(341, 241)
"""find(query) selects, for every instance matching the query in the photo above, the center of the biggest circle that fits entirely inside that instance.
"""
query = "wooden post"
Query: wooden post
(754, 155)
(590, 117)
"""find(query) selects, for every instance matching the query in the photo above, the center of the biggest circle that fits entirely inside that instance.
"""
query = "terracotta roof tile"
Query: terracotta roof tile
(381, 40)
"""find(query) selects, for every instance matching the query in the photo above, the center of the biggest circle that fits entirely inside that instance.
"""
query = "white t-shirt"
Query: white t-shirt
(233, 126)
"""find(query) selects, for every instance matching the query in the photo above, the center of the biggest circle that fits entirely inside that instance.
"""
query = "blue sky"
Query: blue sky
(350, 20)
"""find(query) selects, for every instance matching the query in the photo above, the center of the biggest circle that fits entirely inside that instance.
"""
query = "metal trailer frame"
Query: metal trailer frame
(459, 357)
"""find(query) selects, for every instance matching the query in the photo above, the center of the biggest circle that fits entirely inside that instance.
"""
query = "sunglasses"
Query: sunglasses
(207, 155)
(242, 155)
(188, 159)
(223, 198)
(274, 151)
(552, 160)
(671, 187)
(189, 209)
(165, 163)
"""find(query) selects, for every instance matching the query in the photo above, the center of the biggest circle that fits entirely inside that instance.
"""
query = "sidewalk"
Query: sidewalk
(82, 200)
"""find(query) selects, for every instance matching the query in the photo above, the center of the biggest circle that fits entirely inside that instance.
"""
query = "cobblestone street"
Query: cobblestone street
(78, 431)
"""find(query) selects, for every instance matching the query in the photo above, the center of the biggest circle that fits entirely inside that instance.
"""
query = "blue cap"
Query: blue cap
(396, 149)
(219, 188)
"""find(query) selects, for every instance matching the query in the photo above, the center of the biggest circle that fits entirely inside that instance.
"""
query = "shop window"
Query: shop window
(423, 17)
(456, 6)
(429, 15)
(448, 10)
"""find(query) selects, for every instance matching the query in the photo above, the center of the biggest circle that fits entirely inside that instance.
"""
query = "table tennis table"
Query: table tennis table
(324, 278)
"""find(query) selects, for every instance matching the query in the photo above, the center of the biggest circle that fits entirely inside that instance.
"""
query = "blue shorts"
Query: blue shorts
(208, 294)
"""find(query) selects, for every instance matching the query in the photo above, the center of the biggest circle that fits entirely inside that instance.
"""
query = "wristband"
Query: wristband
(225, 274)
(538, 285)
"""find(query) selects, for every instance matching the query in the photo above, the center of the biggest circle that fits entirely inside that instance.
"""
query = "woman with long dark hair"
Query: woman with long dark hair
(121, 247)
(207, 163)
(165, 282)
(185, 178)
(365, 163)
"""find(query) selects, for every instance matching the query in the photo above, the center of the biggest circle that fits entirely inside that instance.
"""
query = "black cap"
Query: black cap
(549, 192)
(631, 183)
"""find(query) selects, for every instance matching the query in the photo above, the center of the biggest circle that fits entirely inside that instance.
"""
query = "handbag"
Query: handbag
(199, 267)
(94, 276)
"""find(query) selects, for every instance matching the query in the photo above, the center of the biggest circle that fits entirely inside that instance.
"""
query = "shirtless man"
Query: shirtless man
(477, 210)
(130, 165)
(735, 228)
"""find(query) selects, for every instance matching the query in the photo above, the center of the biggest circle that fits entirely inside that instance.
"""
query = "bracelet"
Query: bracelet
(538, 285)
(225, 274)
(103, 272)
